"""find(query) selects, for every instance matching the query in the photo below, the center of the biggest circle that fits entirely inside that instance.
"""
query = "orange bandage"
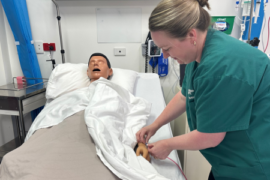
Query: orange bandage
(142, 150)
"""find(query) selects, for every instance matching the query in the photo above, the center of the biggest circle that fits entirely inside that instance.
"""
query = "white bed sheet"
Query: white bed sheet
(148, 87)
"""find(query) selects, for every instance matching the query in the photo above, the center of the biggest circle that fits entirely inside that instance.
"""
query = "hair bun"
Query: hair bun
(204, 3)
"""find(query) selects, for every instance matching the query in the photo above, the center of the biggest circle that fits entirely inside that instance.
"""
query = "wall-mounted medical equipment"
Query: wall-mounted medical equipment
(153, 63)
(50, 47)
(223, 23)
(251, 16)
(153, 49)
(150, 49)
(145, 51)
(257, 10)
(247, 5)
(252, 8)
(163, 66)
(53, 63)
(237, 5)
(265, 4)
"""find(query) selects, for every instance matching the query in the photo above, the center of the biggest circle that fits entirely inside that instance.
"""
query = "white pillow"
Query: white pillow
(124, 78)
(66, 78)
(69, 77)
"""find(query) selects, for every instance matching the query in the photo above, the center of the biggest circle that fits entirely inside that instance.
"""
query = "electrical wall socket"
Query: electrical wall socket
(119, 51)
(39, 47)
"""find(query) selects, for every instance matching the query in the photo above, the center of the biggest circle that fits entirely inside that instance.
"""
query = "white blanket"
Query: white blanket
(113, 116)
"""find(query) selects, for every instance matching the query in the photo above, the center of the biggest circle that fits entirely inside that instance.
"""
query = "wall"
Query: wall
(6, 128)
(11, 52)
(42, 15)
(6, 71)
(264, 33)
(79, 30)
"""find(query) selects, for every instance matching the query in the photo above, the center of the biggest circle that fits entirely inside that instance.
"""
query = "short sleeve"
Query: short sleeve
(222, 104)
(184, 86)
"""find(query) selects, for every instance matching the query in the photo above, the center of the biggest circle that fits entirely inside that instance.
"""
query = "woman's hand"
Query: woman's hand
(146, 133)
(160, 149)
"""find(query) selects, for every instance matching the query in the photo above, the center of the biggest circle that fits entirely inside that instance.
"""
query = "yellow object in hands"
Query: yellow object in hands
(142, 150)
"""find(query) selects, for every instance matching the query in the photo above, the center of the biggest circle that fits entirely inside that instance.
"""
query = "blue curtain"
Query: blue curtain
(256, 28)
(17, 15)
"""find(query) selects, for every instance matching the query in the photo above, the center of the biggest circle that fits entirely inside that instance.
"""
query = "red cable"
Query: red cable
(267, 36)
(178, 167)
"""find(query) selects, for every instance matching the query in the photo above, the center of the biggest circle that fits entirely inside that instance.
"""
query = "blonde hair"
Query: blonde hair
(177, 17)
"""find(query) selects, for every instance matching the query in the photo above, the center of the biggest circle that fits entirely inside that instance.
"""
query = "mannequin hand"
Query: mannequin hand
(142, 150)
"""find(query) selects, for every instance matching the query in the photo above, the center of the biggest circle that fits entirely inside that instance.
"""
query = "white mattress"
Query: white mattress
(148, 87)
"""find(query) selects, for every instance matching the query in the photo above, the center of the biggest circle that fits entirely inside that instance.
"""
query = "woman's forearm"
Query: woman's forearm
(196, 140)
(175, 108)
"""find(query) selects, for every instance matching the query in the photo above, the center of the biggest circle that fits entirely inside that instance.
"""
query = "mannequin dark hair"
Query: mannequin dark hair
(100, 54)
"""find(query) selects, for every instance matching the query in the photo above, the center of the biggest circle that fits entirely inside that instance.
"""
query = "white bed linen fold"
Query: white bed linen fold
(148, 87)
(113, 116)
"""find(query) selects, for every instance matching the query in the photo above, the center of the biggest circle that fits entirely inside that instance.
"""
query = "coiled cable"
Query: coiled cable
(146, 57)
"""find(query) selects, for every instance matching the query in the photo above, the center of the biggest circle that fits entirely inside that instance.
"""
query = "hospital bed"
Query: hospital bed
(148, 87)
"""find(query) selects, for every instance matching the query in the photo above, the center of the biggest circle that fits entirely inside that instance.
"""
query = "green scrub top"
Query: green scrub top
(229, 91)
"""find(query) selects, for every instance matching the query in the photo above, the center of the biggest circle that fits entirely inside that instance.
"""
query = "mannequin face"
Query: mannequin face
(97, 68)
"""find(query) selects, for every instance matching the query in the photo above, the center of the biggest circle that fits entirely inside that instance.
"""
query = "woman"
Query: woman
(225, 93)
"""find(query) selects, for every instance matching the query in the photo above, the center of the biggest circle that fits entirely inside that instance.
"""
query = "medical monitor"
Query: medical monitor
(153, 49)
